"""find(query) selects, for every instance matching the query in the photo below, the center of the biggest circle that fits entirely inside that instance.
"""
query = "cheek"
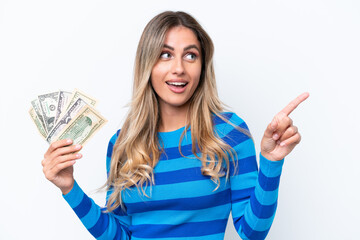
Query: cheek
(155, 77)
(196, 76)
(158, 74)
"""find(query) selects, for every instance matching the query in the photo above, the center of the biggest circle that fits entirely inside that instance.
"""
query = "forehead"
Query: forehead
(180, 36)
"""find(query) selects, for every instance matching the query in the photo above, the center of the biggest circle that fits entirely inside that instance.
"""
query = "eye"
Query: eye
(191, 56)
(165, 55)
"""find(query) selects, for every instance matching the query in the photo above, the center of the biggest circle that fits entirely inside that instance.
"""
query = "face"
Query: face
(177, 73)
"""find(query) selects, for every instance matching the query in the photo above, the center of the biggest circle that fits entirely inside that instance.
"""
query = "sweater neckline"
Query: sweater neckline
(173, 133)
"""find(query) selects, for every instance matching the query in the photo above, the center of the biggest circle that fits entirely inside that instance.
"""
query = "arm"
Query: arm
(253, 193)
(100, 224)
(254, 198)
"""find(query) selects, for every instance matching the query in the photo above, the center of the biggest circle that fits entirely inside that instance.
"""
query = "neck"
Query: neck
(173, 118)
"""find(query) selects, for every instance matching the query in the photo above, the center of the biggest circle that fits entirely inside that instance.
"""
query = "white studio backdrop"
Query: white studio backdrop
(266, 53)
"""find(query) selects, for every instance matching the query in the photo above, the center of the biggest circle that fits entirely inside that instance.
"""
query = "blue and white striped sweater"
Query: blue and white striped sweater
(183, 204)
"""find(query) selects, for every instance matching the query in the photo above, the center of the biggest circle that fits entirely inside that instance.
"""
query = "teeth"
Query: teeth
(176, 83)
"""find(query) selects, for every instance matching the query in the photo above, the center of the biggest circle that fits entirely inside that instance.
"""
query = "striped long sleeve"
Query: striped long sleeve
(253, 217)
(253, 192)
(100, 224)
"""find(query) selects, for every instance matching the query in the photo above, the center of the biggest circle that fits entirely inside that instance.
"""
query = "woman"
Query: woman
(179, 164)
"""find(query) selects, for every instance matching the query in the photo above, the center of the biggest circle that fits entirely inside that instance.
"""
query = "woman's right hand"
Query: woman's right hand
(58, 164)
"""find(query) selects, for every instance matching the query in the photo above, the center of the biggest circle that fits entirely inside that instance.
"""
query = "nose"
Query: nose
(178, 66)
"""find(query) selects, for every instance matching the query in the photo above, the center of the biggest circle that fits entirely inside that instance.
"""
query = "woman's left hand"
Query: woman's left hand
(281, 136)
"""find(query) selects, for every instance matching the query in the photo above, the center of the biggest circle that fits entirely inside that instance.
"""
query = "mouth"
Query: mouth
(176, 84)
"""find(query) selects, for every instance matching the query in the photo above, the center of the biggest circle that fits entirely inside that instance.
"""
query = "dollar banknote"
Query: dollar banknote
(48, 103)
(77, 94)
(62, 114)
(83, 126)
(37, 122)
(65, 119)
(36, 106)
(63, 101)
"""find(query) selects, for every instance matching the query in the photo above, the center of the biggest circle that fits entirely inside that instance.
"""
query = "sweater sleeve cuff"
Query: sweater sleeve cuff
(75, 196)
(270, 168)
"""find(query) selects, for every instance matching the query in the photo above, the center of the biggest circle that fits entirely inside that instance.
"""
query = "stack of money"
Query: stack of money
(63, 115)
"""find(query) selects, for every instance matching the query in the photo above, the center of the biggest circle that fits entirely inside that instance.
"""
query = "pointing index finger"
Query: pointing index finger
(294, 103)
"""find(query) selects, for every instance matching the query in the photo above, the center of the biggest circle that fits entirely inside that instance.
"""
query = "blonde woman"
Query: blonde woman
(180, 164)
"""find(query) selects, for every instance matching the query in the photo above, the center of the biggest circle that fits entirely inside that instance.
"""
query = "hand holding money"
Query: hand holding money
(66, 121)
(58, 164)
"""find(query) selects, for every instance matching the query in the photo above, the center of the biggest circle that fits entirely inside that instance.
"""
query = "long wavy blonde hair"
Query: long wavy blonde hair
(137, 148)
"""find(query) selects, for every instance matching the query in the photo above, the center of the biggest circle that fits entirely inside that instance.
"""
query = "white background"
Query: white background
(266, 53)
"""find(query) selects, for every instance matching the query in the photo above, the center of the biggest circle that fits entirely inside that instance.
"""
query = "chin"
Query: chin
(176, 103)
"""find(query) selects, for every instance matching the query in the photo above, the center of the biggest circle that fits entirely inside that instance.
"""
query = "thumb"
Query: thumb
(271, 128)
(274, 124)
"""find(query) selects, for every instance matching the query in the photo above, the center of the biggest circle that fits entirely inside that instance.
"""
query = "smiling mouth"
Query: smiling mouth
(177, 84)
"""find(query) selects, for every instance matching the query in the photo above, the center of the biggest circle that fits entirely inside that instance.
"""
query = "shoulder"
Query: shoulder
(229, 120)
(110, 148)
(231, 128)
(112, 142)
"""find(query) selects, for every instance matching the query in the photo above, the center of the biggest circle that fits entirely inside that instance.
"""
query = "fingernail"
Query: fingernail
(282, 144)
(78, 155)
(77, 146)
(69, 141)
(276, 136)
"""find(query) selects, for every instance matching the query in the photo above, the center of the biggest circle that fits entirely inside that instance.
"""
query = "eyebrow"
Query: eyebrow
(185, 48)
